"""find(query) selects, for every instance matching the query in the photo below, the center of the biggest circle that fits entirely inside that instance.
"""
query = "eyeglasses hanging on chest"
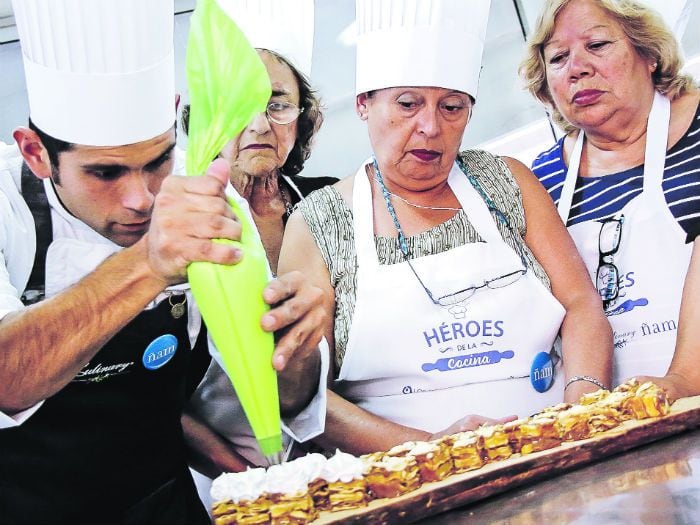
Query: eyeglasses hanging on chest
(607, 274)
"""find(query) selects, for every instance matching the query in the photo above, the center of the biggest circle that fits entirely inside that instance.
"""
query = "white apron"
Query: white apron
(426, 366)
(652, 259)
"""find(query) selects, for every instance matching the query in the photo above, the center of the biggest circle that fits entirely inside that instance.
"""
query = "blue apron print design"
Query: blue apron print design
(161, 350)
(468, 361)
(628, 305)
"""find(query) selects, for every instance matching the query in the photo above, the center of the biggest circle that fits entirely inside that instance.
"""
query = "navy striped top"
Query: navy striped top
(598, 198)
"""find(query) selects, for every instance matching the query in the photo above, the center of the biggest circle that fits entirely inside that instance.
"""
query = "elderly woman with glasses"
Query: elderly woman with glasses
(268, 155)
(449, 272)
(265, 160)
(625, 176)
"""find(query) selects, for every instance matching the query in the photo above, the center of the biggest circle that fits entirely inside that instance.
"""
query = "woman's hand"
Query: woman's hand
(675, 385)
(471, 422)
(298, 317)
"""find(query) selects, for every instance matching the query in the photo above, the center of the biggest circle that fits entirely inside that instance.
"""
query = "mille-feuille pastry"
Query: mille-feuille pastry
(347, 488)
(494, 442)
(649, 400)
(433, 459)
(538, 433)
(593, 397)
(552, 411)
(572, 424)
(466, 452)
(512, 430)
(393, 476)
(604, 417)
(397, 451)
(288, 494)
(615, 403)
(311, 466)
(629, 386)
(368, 459)
(239, 497)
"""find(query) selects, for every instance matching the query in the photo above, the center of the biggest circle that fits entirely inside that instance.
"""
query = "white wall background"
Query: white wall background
(506, 119)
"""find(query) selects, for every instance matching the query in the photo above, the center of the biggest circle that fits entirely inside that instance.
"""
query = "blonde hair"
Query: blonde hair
(647, 32)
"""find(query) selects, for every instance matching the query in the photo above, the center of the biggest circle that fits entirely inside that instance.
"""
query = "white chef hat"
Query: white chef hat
(674, 12)
(99, 72)
(283, 26)
(420, 43)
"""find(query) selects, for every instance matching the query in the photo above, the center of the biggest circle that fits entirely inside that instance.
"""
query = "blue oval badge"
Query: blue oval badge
(160, 351)
(542, 372)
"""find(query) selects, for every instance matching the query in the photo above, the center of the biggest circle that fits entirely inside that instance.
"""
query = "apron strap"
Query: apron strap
(363, 219)
(567, 190)
(34, 195)
(474, 206)
(657, 142)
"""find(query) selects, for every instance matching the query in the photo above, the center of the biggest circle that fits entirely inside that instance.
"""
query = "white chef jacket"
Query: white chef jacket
(85, 249)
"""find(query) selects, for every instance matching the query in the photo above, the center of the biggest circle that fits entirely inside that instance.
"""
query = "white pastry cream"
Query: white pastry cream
(239, 486)
(422, 448)
(285, 479)
(343, 467)
(310, 466)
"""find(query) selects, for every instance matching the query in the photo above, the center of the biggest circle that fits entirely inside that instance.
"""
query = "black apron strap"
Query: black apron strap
(35, 197)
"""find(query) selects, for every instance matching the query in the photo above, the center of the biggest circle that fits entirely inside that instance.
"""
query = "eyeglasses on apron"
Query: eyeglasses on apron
(607, 274)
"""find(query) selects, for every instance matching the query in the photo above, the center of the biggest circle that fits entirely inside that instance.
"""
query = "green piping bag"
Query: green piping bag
(228, 86)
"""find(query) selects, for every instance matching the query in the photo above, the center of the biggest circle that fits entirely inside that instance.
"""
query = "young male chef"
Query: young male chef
(93, 377)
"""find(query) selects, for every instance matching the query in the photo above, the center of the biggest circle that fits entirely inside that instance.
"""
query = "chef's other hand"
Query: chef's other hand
(188, 214)
(297, 317)
(471, 422)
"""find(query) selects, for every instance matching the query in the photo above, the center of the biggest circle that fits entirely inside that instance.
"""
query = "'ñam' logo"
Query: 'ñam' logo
(160, 351)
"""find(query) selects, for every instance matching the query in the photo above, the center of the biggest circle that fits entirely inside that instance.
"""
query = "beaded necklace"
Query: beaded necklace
(445, 301)
(402, 238)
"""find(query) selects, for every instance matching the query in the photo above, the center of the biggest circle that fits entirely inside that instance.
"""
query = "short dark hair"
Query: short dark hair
(54, 146)
(308, 124)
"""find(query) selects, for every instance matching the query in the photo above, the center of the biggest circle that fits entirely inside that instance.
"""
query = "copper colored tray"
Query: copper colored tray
(461, 489)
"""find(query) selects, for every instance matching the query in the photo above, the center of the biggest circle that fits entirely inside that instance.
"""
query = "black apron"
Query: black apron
(108, 447)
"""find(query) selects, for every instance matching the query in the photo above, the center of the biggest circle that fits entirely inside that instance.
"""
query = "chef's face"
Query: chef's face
(112, 189)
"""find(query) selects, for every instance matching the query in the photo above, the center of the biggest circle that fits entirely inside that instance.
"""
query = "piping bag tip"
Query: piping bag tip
(275, 459)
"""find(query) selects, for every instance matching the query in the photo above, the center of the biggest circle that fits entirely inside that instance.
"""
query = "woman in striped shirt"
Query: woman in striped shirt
(626, 177)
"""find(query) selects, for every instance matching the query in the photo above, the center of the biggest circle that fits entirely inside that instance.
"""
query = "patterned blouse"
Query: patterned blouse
(330, 221)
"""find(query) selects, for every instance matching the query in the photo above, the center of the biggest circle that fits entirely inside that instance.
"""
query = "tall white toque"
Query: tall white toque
(435, 43)
(674, 12)
(283, 26)
(99, 72)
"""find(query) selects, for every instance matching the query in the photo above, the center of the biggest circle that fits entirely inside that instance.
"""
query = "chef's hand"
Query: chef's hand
(188, 214)
(675, 385)
(471, 422)
(297, 317)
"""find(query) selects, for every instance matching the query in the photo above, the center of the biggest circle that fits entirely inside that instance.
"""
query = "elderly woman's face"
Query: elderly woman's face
(263, 146)
(415, 131)
(593, 71)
